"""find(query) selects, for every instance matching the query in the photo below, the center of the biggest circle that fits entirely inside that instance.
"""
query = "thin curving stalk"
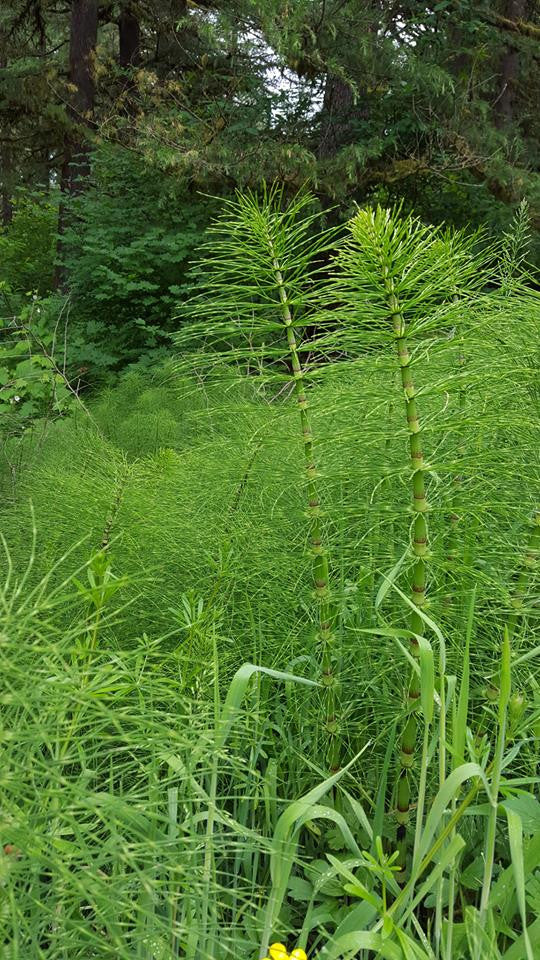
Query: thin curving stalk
(455, 513)
(262, 259)
(419, 548)
(121, 480)
(529, 563)
(320, 558)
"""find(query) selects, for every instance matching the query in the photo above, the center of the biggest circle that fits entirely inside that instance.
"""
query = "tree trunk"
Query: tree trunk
(76, 163)
(514, 10)
(82, 46)
(336, 116)
(129, 54)
(6, 184)
(6, 174)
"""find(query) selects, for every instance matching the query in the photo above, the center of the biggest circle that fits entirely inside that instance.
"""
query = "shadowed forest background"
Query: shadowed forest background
(119, 119)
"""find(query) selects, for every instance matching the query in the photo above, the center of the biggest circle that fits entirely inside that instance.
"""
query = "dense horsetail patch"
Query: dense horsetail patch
(337, 479)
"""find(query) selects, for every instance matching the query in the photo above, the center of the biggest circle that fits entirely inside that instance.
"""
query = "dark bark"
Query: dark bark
(336, 116)
(6, 176)
(7, 206)
(509, 69)
(76, 162)
(129, 53)
(82, 46)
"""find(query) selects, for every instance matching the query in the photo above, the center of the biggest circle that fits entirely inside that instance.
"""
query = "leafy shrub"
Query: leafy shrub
(131, 236)
(33, 386)
(28, 244)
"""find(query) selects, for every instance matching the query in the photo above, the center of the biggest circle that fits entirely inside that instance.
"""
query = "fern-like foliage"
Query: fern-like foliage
(258, 243)
(515, 248)
(428, 271)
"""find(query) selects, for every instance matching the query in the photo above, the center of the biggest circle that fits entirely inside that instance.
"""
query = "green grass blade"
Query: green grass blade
(515, 836)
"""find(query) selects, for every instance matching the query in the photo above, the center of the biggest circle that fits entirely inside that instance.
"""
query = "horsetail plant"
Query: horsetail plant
(146, 811)
(529, 563)
(397, 280)
(261, 259)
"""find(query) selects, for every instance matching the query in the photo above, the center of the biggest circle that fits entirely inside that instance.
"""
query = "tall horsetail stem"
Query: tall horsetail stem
(121, 484)
(260, 267)
(453, 549)
(320, 559)
(529, 563)
(419, 547)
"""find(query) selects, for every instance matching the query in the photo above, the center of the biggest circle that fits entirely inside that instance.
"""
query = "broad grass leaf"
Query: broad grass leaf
(284, 843)
(360, 814)
(527, 808)
(515, 836)
(518, 949)
(358, 918)
(449, 789)
(530, 655)
(237, 690)
(427, 675)
(445, 859)
(357, 889)
(460, 724)
(411, 950)
(352, 943)
(378, 819)
(353, 885)
(316, 917)
(389, 580)
(481, 936)
(502, 891)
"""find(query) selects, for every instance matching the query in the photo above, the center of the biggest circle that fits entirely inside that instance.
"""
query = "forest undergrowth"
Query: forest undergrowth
(270, 616)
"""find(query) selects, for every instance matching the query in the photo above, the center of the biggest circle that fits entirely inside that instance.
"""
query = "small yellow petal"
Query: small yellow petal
(278, 952)
(298, 954)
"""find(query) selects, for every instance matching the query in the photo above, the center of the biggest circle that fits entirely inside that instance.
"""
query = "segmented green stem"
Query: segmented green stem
(491, 830)
(456, 505)
(529, 562)
(419, 548)
(320, 559)
(121, 483)
(384, 533)
(244, 479)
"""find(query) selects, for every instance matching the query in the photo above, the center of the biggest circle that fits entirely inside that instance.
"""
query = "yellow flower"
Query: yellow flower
(278, 952)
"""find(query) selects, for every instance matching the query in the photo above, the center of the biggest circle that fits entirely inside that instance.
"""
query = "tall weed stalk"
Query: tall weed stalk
(258, 277)
(398, 279)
